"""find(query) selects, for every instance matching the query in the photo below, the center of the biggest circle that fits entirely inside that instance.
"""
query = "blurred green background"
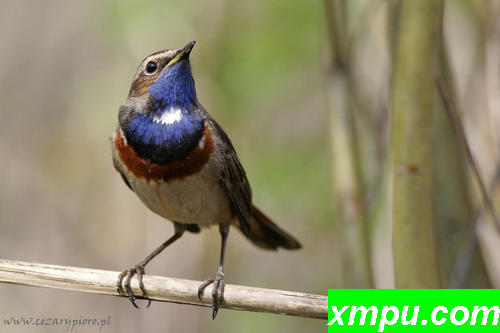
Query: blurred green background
(67, 67)
(310, 120)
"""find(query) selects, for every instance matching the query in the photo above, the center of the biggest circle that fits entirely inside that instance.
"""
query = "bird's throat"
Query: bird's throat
(175, 86)
(168, 129)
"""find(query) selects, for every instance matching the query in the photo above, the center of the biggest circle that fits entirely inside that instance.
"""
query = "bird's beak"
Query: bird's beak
(187, 49)
(182, 54)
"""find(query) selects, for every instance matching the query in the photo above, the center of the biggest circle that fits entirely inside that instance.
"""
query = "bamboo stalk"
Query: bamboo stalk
(462, 265)
(164, 289)
(416, 263)
(460, 133)
(346, 160)
(453, 210)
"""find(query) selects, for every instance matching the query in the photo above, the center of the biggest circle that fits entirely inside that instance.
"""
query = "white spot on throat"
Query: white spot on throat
(201, 144)
(168, 117)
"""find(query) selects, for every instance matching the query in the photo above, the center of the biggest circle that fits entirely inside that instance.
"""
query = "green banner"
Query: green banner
(413, 310)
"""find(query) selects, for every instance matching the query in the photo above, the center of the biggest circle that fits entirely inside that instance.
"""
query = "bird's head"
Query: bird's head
(161, 118)
(166, 77)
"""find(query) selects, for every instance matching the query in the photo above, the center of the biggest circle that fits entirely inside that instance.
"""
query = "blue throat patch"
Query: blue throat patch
(175, 86)
(176, 136)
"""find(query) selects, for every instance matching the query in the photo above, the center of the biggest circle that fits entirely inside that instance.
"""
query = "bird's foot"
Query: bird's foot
(125, 278)
(217, 291)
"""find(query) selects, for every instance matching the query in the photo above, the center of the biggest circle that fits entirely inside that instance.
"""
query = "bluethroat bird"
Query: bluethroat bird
(182, 165)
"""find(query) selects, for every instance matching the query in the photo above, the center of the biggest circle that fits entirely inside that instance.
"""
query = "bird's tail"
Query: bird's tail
(266, 234)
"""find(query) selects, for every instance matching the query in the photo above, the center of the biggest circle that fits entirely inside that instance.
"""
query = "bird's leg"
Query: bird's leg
(138, 269)
(218, 280)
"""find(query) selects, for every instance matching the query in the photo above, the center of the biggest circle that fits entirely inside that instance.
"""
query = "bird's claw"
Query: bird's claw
(217, 291)
(125, 278)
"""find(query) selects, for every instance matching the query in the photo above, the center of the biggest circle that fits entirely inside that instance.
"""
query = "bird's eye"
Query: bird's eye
(151, 67)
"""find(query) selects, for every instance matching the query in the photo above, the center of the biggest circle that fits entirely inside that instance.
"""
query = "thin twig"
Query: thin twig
(466, 253)
(164, 289)
(460, 133)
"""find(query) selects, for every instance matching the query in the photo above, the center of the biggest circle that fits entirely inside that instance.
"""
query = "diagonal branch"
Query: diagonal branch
(470, 244)
(163, 289)
(459, 130)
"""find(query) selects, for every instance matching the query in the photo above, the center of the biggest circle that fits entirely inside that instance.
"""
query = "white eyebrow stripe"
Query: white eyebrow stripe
(159, 56)
(168, 117)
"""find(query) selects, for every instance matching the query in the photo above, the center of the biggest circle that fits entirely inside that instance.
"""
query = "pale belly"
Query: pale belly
(197, 199)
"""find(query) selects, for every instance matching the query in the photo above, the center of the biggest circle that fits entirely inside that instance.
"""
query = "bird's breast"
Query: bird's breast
(186, 191)
(165, 172)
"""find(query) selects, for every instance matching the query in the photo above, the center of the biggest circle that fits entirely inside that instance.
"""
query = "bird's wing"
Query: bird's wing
(116, 164)
(233, 179)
